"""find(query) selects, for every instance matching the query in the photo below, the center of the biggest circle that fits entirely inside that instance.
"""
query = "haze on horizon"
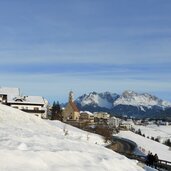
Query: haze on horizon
(48, 48)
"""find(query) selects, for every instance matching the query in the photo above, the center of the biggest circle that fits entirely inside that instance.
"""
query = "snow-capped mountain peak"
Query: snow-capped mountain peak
(98, 99)
(128, 103)
(140, 99)
(109, 100)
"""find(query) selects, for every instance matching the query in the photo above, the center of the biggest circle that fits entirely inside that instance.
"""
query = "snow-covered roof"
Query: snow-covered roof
(87, 112)
(128, 122)
(113, 117)
(13, 96)
(10, 92)
(29, 100)
(35, 99)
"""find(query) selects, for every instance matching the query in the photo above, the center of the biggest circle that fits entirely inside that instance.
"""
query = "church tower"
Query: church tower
(71, 112)
(71, 96)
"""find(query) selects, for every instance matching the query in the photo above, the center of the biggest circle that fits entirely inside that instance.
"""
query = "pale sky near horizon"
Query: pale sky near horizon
(49, 47)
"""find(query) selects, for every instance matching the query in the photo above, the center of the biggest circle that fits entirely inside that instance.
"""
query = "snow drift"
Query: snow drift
(30, 143)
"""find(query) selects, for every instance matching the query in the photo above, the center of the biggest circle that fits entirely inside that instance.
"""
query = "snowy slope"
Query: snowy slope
(29, 143)
(148, 145)
(161, 132)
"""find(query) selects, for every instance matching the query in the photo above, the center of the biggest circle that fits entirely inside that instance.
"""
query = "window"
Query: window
(16, 107)
(36, 108)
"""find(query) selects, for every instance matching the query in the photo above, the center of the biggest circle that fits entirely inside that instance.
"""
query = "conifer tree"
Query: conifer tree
(53, 111)
(56, 113)
(59, 112)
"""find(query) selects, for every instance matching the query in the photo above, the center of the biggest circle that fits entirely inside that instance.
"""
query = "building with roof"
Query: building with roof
(128, 124)
(31, 104)
(101, 115)
(71, 112)
(8, 94)
(86, 116)
(114, 122)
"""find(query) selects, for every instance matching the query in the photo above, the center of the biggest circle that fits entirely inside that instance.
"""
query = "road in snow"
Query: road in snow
(163, 151)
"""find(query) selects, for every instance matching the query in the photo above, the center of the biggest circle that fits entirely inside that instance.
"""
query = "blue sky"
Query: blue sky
(51, 47)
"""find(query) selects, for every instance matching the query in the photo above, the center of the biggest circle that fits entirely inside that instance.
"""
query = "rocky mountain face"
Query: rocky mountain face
(128, 103)
(103, 100)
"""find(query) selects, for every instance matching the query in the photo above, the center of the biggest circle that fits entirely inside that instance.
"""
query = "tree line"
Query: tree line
(166, 142)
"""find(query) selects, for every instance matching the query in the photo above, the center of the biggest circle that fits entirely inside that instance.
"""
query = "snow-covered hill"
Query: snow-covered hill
(161, 132)
(147, 145)
(129, 103)
(30, 143)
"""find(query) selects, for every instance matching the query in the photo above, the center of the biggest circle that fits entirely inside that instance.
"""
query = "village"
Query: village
(101, 123)
(70, 114)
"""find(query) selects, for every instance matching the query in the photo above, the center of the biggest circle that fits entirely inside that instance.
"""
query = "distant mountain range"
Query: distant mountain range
(128, 103)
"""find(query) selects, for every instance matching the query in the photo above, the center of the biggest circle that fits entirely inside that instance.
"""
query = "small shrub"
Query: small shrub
(152, 138)
(139, 132)
(65, 130)
(157, 139)
(106, 132)
(88, 137)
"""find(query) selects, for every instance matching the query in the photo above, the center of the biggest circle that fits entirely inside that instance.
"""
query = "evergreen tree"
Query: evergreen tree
(56, 113)
(59, 112)
(157, 139)
(168, 142)
(139, 132)
(53, 111)
(152, 138)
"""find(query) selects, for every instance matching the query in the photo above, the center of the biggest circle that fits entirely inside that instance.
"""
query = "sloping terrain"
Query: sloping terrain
(30, 143)
(162, 151)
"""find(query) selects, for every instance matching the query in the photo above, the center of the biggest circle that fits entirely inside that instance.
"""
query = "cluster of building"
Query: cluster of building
(39, 106)
(32, 104)
(148, 121)
(72, 115)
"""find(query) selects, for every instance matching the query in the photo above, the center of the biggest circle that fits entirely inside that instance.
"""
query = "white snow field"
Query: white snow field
(161, 132)
(146, 144)
(28, 143)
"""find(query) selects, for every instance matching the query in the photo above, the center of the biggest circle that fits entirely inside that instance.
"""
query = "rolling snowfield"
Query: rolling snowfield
(161, 132)
(28, 143)
(145, 145)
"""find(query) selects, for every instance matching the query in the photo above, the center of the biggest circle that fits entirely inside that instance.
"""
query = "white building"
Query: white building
(101, 115)
(8, 94)
(113, 121)
(127, 124)
(32, 104)
(86, 116)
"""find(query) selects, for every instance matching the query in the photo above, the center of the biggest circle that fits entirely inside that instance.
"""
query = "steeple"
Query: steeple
(71, 96)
